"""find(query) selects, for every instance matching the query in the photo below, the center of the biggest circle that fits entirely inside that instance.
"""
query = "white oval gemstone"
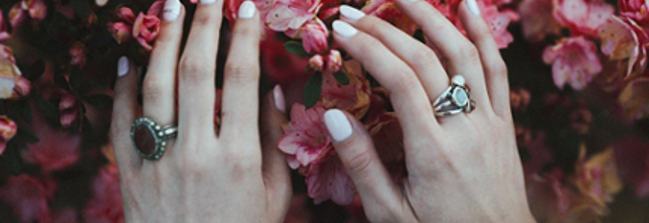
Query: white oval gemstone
(460, 96)
(459, 80)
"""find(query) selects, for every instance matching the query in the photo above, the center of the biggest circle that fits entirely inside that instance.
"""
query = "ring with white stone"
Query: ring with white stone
(149, 138)
(455, 99)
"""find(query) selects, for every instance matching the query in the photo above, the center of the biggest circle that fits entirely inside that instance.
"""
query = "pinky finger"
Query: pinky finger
(492, 62)
(125, 111)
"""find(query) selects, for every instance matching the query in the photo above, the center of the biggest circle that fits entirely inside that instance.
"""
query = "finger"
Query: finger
(408, 97)
(460, 54)
(196, 71)
(423, 60)
(241, 80)
(381, 196)
(274, 167)
(158, 89)
(125, 109)
(492, 62)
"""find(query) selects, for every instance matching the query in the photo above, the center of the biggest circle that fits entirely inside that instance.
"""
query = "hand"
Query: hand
(461, 168)
(205, 175)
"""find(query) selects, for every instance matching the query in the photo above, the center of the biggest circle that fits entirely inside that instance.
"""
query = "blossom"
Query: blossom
(125, 14)
(146, 29)
(305, 138)
(574, 61)
(316, 62)
(8, 129)
(635, 9)
(625, 41)
(634, 98)
(498, 21)
(55, 150)
(329, 179)
(77, 54)
(34, 9)
(537, 19)
(105, 205)
(334, 61)
(22, 87)
(9, 73)
(291, 14)
(3, 29)
(582, 16)
(28, 196)
(597, 179)
(120, 31)
(353, 97)
(68, 110)
(315, 36)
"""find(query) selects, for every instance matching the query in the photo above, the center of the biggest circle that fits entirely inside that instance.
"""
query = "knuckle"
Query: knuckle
(498, 68)
(468, 51)
(404, 81)
(241, 72)
(206, 19)
(360, 163)
(194, 68)
(152, 88)
(424, 58)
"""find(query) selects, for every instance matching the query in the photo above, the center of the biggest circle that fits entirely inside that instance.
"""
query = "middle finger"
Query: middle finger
(197, 71)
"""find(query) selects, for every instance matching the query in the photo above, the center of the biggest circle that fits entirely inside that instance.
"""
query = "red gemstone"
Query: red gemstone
(144, 139)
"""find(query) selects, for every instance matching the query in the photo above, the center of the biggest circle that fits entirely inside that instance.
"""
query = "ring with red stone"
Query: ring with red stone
(455, 99)
(149, 138)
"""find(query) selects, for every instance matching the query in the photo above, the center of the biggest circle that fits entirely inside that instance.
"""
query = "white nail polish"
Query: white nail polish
(344, 29)
(247, 10)
(278, 95)
(204, 2)
(473, 7)
(171, 10)
(351, 12)
(338, 125)
(122, 66)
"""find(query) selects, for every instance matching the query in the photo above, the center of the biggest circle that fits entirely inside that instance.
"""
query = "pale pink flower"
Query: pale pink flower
(3, 28)
(635, 9)
(17, 15)
(582, 16)
(537, 19)
(574, 61)
(597, 179)
(27, 196)
(353, 97)
(334, 61)
(291, 14)
(8, 129)
(37, 9)
(9, 73)
(305, 138)
(120, 31)
(328, 179)
(316, 62)
(22, 87)
(625, 40)
(56, 148)
(105, 205)
(146, 29)
(498, 21)
(315, 37)
(68, 110)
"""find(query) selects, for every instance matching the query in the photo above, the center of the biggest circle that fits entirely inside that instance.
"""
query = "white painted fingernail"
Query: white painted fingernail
(122, 66)
(247, 10)
(338, 125)
(473, 7)
(408, 1)
(207, 1)
(344, 29)
(351, 12)
(171, 10)
(278, 95)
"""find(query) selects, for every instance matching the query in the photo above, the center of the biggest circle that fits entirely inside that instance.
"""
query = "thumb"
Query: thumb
(382, 200)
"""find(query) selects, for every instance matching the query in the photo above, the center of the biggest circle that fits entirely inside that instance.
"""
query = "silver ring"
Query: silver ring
(455, 99)
(149, 138)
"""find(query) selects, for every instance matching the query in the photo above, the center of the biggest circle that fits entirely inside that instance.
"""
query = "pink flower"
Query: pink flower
(125, 14)
(291, 14)
(635, 9)
(574, 61)
(582, 16)
(328, 179)
(77, 54)
(353, 97)
(334, 61)
(8, 129)
(498, 21)
(537, 19)
(27, 196)
(37, 9)
(305, 139)
(17, 15)
(68, 110)
(56, 148)
(280, 65)
(597, 179)
(315, 37)
(3, 29)
(146, 29)
(120, 31)
(316, 62)
(9, 72)
(624, 40)
(22, 87)
(156, 8)
(105, 205)
(231, 8)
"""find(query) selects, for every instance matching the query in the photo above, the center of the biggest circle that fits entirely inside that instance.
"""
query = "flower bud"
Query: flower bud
(120, 31)
(334, 61)
(68, 110)
(316, 62)
(315, 37)
(8, 129)
(125, 14)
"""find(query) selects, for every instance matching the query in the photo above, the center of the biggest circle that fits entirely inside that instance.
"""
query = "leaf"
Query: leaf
(50, 112)
(295, 47)
(100, 101)
(27, 135)
(341, 77)
(12, 159)
(36, 70)
(312, 90)
(61, 82)
(82, 8)
(76, 79)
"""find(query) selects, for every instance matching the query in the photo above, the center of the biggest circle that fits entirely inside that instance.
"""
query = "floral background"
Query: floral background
(577, 70)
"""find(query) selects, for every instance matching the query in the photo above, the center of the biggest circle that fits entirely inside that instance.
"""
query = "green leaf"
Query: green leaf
(50, 112)
(100, 101)
(82, 8)
(295, 47)
(12, 159)
(27, 135)
(341, 77)
(312, 90)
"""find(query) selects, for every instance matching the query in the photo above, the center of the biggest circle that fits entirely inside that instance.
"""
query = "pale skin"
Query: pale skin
(461, 168)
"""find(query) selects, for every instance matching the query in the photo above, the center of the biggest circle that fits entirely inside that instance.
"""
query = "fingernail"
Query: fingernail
(351, 12)
(122, 66)
(473, 7)
(278, 95)
(247, 10)
(207, 1)
(408, 1)
(338, 125)
(171, 10)
(344, 29)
